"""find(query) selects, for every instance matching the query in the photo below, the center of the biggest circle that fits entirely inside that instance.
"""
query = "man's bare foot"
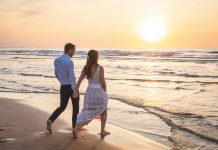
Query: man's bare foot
(49, 126)
(75, 133)
(103, 134)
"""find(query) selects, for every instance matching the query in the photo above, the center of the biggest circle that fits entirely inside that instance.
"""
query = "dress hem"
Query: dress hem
(98, 116)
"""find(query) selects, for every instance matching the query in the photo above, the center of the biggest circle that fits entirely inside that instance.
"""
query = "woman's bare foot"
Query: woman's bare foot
(104, 133)
(83, 129)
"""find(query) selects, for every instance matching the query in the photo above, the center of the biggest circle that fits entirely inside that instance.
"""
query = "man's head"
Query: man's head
(69, 49)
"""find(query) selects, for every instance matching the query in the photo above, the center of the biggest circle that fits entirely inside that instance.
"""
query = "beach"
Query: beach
(150, 96)
(159, 71)
(22, 127)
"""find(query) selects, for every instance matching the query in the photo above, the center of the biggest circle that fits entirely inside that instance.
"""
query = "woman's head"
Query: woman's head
(92, 59)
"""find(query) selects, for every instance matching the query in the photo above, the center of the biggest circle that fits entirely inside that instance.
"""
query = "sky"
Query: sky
(107, 24)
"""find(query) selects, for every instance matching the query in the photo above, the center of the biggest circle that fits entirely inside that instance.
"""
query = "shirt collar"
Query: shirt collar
(65, 55)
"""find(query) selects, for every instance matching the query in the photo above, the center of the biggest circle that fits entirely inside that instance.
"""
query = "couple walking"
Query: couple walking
(95, 99)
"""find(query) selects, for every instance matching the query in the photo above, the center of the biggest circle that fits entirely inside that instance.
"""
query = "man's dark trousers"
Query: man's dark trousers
(65, 94)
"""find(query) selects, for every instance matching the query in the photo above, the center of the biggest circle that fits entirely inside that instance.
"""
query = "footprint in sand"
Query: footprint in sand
(5, 140)
(82, 132)
(3, 128)
(41, 133)
(65, 130)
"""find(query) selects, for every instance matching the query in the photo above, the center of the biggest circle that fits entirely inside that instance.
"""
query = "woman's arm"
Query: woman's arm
(102, 79)
(82, 76)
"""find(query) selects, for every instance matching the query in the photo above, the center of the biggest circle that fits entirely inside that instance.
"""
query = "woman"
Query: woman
(95, 99)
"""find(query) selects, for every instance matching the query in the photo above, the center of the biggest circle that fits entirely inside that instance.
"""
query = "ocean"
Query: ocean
(177, 87)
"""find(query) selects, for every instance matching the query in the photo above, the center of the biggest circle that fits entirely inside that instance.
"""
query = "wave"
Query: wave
(181, 88)
(30, 58)
(169, 118)
(36, 75)
(153, 80)
(142, 55)
(26, 74)
(142, 80)
(140, 131)
(213, 52)
(143, 132)
(198, 133)
(188, 75)
(109, 53)
(186, 117)
(20, 87)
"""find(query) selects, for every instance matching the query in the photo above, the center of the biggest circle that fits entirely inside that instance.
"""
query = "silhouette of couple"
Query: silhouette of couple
(95, 98)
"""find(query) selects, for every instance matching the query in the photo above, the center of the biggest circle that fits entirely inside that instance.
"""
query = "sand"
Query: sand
(22, 127)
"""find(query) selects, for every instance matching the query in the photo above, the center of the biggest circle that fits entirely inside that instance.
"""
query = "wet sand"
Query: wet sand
(22, 127)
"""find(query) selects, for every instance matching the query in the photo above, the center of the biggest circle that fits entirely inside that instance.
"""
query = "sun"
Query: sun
(152, 29)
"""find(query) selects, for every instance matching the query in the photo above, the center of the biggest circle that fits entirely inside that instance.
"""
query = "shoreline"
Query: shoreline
(120, 114)
(26, 128)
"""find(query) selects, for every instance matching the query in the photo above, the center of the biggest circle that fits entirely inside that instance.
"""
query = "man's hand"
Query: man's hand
(75, 93)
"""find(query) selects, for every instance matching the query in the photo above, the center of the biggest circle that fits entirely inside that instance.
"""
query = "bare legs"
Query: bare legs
(103, 132)
(103, 122)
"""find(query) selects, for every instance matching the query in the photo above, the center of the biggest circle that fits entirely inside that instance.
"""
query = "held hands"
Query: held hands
(75, 93)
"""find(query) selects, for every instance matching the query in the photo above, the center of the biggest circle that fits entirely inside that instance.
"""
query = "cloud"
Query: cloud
(20, 8)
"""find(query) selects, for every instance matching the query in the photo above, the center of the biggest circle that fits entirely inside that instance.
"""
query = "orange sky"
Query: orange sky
(106, 24)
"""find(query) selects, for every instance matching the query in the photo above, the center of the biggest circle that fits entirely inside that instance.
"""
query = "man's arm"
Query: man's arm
(72, 75)
(55, 69)
(56, 74)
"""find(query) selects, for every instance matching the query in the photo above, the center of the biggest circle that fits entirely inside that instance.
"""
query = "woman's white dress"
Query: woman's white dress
(95, 101)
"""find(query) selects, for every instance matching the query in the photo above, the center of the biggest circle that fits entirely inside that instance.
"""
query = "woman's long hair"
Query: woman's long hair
(92, 59)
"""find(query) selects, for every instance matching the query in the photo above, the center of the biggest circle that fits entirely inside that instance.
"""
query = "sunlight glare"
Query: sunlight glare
(152, 29)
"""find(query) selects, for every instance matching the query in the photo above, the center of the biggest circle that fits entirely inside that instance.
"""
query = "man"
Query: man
(64, 72)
